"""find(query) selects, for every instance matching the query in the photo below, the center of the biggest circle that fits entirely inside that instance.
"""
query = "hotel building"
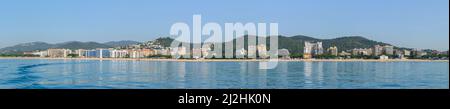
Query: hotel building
(311, 49)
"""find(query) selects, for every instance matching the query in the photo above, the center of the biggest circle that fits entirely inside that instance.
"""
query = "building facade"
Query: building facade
(388, 50)
(310, 49)
(58, 53)
(333, 51)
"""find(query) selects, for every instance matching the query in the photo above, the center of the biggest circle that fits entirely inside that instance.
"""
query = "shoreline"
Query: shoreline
(229, 60)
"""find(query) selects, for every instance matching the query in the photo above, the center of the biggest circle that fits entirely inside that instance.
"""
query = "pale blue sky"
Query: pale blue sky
(407, 23)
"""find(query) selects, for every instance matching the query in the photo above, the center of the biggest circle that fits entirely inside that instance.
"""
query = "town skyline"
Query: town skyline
(143, 41)
(159, 49)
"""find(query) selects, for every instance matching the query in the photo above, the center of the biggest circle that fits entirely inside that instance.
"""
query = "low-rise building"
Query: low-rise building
(333, 51)
(90, 53)
(283, 53)
(81, 53)
(384, 57)
(136, 53)
(38, 53)
(251, 51)
(362, 51)
(343, 53)
(58, 53)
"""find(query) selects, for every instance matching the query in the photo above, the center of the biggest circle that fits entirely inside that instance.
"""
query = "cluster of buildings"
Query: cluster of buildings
(138, 51)
(260, 51)
(382, 52)
(100, 53)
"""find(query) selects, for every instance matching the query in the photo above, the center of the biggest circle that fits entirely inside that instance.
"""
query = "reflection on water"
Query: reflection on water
(207, 75)
(308, 73)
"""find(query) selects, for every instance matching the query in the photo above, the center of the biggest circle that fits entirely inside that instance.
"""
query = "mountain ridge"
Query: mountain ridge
(38, 45)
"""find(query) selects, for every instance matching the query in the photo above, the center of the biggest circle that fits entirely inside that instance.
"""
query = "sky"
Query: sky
(404, 23)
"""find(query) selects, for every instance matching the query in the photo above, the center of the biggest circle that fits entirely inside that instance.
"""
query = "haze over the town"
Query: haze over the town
(405, 23)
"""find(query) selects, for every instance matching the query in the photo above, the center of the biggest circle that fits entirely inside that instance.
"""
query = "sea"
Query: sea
(135, 74)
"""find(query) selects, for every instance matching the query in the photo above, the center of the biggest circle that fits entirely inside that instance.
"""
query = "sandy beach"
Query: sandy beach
(231, 60)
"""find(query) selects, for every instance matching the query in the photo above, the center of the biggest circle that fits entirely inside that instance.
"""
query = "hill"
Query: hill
(295, 44)
(33, 46)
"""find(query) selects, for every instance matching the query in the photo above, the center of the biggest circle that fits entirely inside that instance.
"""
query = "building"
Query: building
(179, 52)
(406, 52)
(90, 54)
(119, 54)
(398, 53)
(362, 51)
(103, 53)
(197, 53)
(418, 53)
(251, 51)
(388, 50)
(262, 51)
(28, 53)
(206, 49)
(241, 52)
(136, 53)
(39, 53)
(384, 57)
(333, 50)
(343, 53)
(445, 52)
(148, 52)
(58, 53)
(311, 49)
(81, 52)
(283, 53)
(377, 50)
(165, 51)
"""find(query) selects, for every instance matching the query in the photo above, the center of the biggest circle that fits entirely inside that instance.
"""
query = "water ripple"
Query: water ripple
(25, 78)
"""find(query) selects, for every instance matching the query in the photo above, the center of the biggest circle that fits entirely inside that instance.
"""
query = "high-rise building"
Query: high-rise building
(311, 49)
(388, 50)
(377, 50)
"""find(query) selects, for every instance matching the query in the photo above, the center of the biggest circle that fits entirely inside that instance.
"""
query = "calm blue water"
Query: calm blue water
(76, 74)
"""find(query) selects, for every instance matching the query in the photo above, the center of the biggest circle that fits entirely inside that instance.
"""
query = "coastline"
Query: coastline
(229, 60)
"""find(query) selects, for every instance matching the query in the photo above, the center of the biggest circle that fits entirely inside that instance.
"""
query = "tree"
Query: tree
(296, 55)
